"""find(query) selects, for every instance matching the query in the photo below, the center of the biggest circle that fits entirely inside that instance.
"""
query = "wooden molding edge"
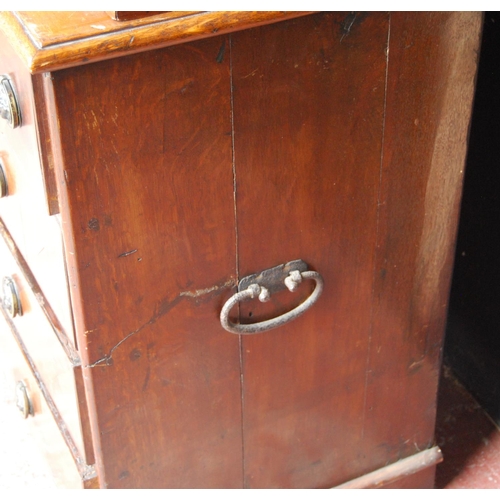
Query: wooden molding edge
(131, 38)
(395, 471)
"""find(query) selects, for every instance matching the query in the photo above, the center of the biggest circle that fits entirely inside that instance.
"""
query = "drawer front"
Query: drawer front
(37, 333)
(39, 426)
(23, 208)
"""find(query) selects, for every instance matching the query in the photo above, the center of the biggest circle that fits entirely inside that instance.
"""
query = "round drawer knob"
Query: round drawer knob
(4, 191)
(23, 400)
(9, 107)
(10, 298)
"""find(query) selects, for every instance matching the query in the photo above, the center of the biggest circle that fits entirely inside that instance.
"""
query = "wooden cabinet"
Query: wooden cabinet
(177, 154)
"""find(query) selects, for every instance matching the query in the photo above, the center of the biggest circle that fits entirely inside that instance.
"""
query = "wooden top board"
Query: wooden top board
(47, 41)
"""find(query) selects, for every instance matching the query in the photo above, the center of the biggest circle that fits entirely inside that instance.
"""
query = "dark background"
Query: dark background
(472, 347)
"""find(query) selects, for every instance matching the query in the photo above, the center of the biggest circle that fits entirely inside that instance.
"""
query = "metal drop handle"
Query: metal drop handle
(256, 289)
(9, 106)
(23, 400)
(10, 297)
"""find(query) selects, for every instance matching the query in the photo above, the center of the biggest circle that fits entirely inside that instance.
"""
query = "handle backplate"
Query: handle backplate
(262, 286)
(273, 279)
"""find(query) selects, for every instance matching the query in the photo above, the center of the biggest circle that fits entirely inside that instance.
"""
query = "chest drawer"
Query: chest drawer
(23, 208)
(56, 362)
(39, 427)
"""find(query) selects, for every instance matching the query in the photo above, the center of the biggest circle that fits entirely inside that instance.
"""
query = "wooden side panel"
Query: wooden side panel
(308, 117)
(432, 66)
(146, 193)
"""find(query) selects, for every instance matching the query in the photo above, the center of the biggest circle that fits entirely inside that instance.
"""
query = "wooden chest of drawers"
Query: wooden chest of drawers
(160, 160)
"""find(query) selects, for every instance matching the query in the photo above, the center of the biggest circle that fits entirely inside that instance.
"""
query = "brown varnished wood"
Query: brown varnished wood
(56, 27)
(308, 139)
(47, 41)
(151, 208)
(432, 66)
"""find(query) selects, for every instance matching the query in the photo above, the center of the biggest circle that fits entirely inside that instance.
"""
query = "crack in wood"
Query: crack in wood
(204, 291)
(163, 308)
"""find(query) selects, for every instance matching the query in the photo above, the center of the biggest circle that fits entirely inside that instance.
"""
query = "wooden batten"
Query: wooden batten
(396, 471)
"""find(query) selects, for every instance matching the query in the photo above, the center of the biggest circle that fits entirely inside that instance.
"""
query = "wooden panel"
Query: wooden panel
(47, 41)
(308, 139)
(432, 65)
(146, 191)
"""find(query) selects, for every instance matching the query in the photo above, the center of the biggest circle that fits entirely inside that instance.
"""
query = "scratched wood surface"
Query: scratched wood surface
(340, 153)
(147, 189)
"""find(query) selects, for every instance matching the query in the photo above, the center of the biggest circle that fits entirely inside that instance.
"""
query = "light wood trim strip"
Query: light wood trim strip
(397, 470)
(130, 39)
